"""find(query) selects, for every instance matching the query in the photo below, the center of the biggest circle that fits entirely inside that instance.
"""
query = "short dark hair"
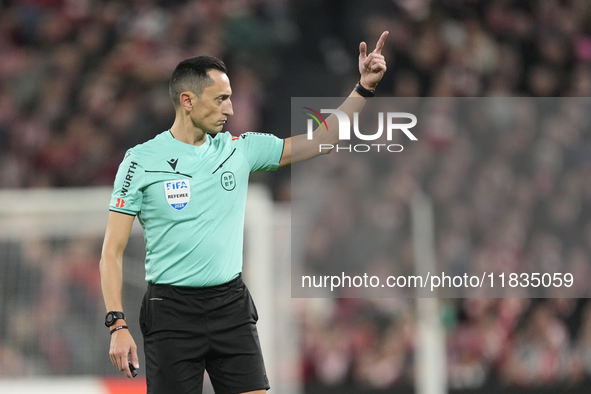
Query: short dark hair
(191, 74)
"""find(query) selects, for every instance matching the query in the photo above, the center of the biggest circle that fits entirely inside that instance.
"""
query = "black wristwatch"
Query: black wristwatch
(112, 317)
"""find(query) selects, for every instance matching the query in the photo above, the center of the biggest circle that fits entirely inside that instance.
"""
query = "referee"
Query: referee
(188, 191)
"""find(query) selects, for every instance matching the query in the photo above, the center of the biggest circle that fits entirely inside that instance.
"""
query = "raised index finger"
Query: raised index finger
(380, 43)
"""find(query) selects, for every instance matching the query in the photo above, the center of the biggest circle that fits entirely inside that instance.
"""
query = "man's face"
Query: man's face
(212, 109)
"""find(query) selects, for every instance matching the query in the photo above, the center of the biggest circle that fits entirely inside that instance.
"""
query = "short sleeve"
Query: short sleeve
(127, 190)
(262, 151)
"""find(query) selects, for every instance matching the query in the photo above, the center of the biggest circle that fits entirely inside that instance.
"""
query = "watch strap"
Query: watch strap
(363, 91)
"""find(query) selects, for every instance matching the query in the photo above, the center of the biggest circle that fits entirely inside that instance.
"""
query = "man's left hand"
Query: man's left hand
(373, 66)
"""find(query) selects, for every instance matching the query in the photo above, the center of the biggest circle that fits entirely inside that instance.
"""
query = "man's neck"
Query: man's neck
(185, 131)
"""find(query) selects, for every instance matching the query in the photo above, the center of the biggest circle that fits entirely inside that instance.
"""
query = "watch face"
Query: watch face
(112, 316)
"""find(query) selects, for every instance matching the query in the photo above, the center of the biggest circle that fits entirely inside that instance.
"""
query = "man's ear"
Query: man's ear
(187, 100)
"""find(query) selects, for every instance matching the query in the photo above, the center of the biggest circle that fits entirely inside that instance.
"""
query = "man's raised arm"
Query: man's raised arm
(371, 68)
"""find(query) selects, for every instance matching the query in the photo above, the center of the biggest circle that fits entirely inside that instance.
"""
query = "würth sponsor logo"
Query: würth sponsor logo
(120, 203)
(391, 119)
(128, 178)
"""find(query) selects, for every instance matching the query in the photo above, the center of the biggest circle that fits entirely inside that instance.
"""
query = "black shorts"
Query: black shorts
(187, 330)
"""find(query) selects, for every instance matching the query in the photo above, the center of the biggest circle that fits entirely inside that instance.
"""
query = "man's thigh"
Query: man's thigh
(174, 344)
(235, 362)
(167, 373)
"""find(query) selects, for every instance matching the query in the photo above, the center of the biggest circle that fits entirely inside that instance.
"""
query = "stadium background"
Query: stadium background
(82, 81)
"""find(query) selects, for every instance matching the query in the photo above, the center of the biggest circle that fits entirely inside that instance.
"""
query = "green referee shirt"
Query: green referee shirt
(190, 200)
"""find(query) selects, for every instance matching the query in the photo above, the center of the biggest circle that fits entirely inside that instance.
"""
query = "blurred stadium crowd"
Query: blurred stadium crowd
(82, 81)
(510, 193)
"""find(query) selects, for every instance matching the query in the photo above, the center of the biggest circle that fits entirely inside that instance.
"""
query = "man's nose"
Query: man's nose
(228, 109)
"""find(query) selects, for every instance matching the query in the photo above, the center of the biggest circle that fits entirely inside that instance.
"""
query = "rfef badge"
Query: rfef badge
(228, 181)
(178, 193)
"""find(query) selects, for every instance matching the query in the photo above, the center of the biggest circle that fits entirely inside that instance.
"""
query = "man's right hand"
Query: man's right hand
(122, 346)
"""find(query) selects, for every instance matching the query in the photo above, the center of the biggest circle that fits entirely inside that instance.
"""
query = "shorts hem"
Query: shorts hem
(246, 389)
